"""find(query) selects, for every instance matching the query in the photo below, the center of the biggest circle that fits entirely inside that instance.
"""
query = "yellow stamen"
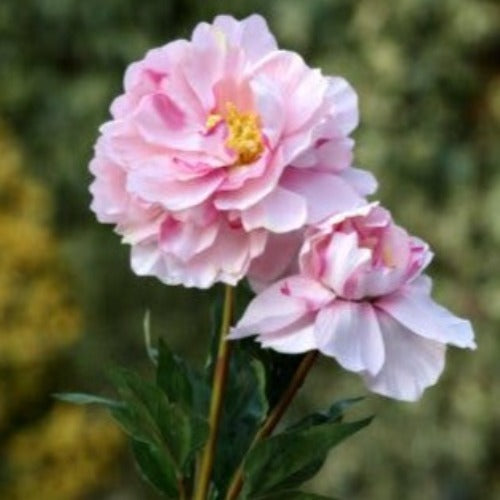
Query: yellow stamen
(388, 256)
(213, 120)
(245, 137)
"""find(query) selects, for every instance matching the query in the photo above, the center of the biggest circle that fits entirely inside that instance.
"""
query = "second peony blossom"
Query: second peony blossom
(360, 297)
(218, 142)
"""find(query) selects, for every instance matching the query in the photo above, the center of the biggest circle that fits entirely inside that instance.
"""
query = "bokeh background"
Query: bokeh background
(428, 77)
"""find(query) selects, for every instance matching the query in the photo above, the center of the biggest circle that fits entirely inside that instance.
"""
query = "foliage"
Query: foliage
(167, 425)
(69, 452)
(47, 453)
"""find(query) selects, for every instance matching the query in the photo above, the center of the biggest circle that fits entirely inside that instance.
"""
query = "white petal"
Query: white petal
(416, 310)
(412, 363)
(349, 332)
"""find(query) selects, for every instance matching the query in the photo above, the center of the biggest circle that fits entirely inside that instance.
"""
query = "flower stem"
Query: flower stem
(274, 417)
(218, 386)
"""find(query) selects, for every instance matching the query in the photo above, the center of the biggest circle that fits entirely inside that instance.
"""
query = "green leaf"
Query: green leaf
(156, 467)
(287, 460)
(149, 417)
(173, 377)
(334, 414)
(79, 398)
(142, 399)
(180, 383)
(245, 407)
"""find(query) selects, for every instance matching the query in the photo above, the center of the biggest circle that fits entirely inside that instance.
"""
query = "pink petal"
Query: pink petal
(344, 104)
(279, 259)
(153, 183)
(184, 239)
(162, 123)
(335, 154)
(253, 190)
(303, 88)
(343, 259)
(325, 193)
(251, 33)
(412, 363)
(292, 339)
(417, 312)
(278, 307)
(349, 332)
(281, 211)
(362, 181)
(270, 105)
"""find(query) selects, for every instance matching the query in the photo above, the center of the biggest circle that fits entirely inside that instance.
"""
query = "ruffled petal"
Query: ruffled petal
(280, 212)
(349, 332)
(281, 305)
(251, 33)
(412, 363)
(292, 339)
(325, 193)
(416, 311)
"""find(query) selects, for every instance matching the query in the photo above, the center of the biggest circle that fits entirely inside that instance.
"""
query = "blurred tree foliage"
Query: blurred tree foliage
(428, 77)
(49, 453)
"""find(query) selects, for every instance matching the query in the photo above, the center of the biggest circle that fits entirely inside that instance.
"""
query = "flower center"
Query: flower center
(245, 137)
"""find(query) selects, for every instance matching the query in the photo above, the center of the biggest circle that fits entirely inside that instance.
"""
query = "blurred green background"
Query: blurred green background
(428, 77)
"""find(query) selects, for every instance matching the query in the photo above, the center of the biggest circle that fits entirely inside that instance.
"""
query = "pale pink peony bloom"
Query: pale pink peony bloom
(216, 143)
(360, 298)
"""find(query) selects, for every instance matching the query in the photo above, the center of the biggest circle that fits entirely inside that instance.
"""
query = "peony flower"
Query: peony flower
(360, 297)
(218, 142)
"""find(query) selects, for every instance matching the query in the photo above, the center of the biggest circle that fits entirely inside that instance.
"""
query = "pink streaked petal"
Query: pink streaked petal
(253, 190)
(277, 306)
(296, 338)
(280, 212)
(343, 257)
(417, 312)
(349, 332)
(324, 193)
(412, 363)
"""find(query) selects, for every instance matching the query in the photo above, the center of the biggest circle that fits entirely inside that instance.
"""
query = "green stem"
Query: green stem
(218, 386)
(274, 417)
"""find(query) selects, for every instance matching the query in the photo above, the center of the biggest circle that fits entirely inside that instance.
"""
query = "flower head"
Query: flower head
(218, 142)
(360, 298)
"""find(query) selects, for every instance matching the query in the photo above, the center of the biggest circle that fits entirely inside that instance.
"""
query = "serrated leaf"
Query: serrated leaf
(79, 398)
(156, 467)
(287, 460)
